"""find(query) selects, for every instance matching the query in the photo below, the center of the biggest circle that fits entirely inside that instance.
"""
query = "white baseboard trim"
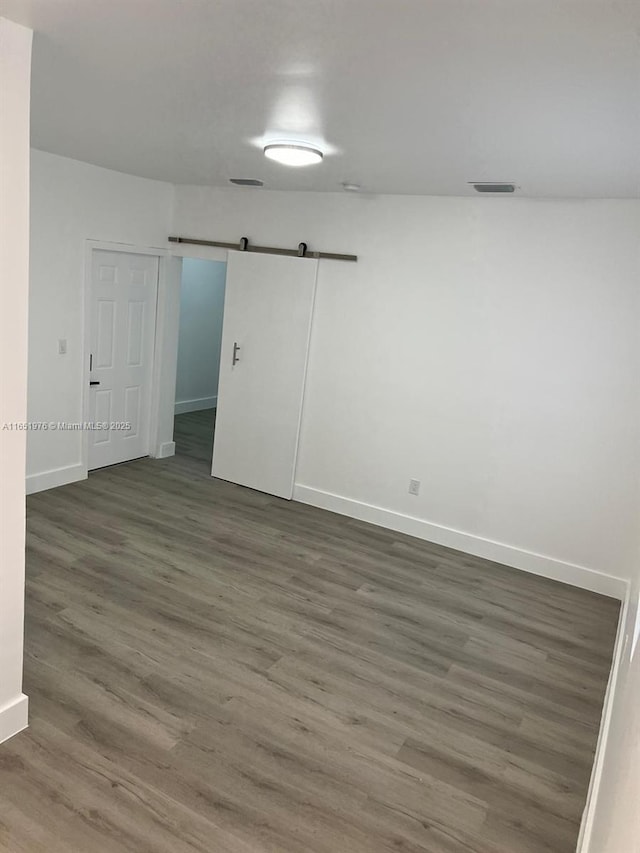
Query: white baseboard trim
(56, 477)
(164, 450)
(14, 717)
(198, 405)
(518, 558)
(623, 637)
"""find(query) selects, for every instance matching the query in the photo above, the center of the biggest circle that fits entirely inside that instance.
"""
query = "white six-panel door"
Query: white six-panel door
(265, 341)
(123, 316)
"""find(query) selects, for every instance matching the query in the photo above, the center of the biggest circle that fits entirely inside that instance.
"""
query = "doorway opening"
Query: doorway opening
(202, 291)
(243, 335)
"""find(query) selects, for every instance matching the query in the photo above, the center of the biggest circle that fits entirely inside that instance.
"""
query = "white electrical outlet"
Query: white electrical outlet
(414, 487)
(62, 346)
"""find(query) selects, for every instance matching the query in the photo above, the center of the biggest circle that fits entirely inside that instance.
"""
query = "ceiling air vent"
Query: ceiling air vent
(246, 182)
(486, 187)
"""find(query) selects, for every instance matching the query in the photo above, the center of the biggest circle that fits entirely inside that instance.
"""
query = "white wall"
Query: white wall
(71, 203)
(200, 337)
(15, 73)
(613, 822)
(487, 347)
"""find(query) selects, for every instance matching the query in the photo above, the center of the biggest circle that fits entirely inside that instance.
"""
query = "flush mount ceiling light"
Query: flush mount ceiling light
(293, 153)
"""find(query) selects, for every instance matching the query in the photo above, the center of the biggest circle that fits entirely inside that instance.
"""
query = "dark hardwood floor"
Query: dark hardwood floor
(212, 669)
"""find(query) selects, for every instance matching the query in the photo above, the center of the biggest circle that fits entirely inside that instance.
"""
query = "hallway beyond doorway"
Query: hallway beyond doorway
(193, 435)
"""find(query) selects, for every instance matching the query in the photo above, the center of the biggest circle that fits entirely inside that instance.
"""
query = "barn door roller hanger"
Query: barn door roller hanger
(244, 246)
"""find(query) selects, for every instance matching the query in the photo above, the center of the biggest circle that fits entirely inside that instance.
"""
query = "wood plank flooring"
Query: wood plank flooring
(211, 669)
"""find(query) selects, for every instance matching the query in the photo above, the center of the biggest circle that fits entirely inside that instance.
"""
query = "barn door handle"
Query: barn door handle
(236, 357)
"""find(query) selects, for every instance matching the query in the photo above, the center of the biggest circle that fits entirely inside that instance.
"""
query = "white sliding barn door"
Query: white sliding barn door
(265, 342)
(124, 291)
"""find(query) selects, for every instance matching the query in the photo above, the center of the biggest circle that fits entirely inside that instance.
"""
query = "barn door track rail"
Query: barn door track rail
(244, 246)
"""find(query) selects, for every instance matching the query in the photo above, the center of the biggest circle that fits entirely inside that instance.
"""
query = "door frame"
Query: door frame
(155, 449)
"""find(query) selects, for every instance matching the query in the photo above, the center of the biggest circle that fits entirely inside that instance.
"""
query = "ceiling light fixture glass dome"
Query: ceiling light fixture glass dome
(293, 153)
